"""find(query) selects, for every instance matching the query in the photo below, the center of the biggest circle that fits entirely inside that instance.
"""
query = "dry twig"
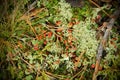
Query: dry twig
(83, 69)
(100, 8)
(104, 41)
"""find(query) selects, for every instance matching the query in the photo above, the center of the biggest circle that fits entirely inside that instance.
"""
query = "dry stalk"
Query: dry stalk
(83, 69)
(81, 77)
(104, 40)
(100, 8)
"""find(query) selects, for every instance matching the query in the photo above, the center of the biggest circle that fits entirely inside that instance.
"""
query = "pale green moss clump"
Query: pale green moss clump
(86, 38)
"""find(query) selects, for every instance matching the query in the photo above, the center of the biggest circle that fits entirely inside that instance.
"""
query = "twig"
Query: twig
(76, 74)
(81, 77)
(38, 71)
(79, 58)
(47, 73)
(31, 14)
(104, 41)
(53, 75)
(100, 8)
(31, 6)
(52, 31)
(29, 23)
(27, 18)
(83, 69)
(21, 40)
(27, 62)
(81, 55)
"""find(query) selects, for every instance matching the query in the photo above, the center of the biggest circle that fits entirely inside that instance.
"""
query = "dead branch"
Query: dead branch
(100, 8)
(81, 71)
(104, 41)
